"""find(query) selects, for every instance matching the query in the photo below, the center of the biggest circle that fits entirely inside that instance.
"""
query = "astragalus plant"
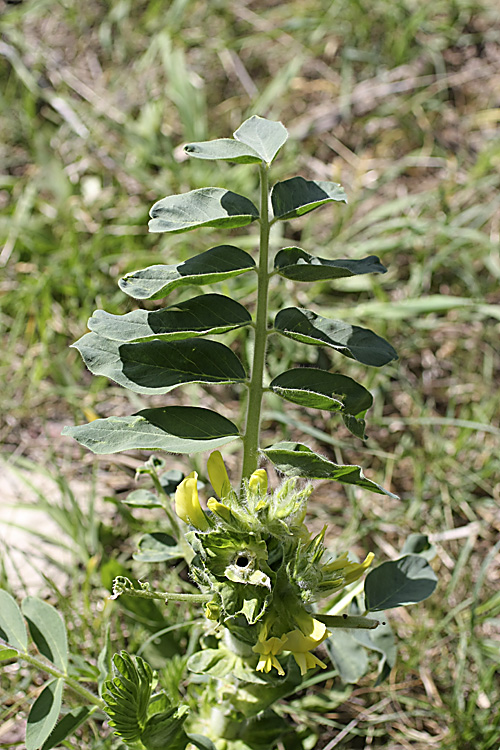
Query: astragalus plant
(277, 604)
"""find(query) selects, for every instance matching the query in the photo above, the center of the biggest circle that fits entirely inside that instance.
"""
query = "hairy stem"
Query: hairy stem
(256, 387)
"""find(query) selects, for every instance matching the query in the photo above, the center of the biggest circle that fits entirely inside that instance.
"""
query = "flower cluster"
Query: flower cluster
(256, 558)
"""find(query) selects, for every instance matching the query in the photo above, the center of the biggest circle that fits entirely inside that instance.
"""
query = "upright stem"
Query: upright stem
(256, 387)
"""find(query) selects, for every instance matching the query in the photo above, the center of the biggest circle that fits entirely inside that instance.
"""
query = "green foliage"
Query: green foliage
(130, 350)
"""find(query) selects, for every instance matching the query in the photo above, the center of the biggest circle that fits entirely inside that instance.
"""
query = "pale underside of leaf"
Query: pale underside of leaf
(266, 137)
(174, 429)
(352, 341)
(159, 366)
(217, 264)
(198, 316)
(226, 149)
(206, 207)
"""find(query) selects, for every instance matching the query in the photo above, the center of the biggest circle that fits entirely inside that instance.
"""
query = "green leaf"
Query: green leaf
(383, 642)
(297, 460)
(223, 148)
(198, 316)
(157, 547)
(7, 653)
(357, 343)
(104, 660)
(12, 627)
(159, 366)
(127, 696)
(266, 137)
(142, 499)
(48, 630)
(44, 714)
(200, 741)
(66, 727)
(348, 655)
(298, 196)
(318, 389)
(419, 544)
(217, 264)
(398, 583)
(165, 730)
(175, 429)
(294, 263)
(206, 207)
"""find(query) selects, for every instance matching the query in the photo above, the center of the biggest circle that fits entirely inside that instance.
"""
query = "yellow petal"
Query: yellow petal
(356, 570)
(258, 481)
(218, 474)
(219, 509)
(187, 503)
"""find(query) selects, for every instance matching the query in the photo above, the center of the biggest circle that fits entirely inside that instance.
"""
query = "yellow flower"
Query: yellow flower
(350, 571)
(219, 509)
(187, 503)
(258, 481)
(353, 571)
(218, 474)
(268, 649)
(300, 642)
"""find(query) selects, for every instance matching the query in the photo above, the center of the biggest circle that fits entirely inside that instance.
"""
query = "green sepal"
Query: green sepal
(205, 207)
(217, 264)
(198, 316)
(355, 342)
(174, 429)
(160, 366)
(294, 263)
(297, 196)
(226, 149)
(297, 460)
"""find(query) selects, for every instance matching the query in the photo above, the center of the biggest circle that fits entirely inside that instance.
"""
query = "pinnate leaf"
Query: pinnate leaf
(127, 695)
(266, 137)
(206, 207)
(398, 583)
(223, 148)
(175, 429)
(12, 627)
(198, 316)
(352, 341)
(159, 366)
(44, 714)
(297, 460)
(217, 264)
(48, 630)
(294, 263)
(297, 196)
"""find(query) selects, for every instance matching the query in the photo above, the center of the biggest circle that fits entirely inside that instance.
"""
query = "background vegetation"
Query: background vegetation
(400, 102)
